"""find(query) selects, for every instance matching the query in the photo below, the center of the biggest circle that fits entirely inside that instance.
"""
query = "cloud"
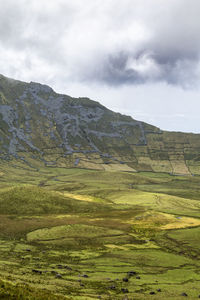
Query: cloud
(110, 42)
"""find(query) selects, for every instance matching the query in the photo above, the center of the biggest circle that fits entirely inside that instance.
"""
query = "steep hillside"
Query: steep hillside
(41, 127)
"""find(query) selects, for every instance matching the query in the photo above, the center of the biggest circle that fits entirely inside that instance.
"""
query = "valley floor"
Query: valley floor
(85, 234)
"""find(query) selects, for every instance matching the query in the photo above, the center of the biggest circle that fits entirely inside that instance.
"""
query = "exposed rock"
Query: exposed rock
(152, 293)
(184, 295)
(36, 271)
(112, 287)
(124, 290)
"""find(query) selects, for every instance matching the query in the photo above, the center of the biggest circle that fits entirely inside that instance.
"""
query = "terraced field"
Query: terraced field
(86, 234)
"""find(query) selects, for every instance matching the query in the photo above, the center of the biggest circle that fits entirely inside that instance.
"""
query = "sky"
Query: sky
(137, 57)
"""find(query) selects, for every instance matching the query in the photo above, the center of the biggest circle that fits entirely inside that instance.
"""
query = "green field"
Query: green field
(87, 234)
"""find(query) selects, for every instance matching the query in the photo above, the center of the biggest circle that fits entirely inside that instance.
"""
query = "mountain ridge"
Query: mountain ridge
(40, 126)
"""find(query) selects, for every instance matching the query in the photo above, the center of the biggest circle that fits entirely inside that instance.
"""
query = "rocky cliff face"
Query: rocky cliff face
(39, 126)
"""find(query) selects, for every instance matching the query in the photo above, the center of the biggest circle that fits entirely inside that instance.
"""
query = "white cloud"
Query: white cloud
(106, 49)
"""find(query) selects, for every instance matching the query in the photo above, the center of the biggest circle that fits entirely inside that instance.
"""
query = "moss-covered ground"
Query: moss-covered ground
(86, 234)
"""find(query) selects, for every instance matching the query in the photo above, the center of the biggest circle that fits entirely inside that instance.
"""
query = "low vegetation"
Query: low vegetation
(86, 234)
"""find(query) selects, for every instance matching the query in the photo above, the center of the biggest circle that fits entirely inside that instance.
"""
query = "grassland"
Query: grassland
(86, 234)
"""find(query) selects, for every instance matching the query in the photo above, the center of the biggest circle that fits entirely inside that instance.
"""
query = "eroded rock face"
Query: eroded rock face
(58, 130)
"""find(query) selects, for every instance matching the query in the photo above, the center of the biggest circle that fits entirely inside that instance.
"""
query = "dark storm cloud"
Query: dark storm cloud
(112, 42)
(145, 67)
(114, 71)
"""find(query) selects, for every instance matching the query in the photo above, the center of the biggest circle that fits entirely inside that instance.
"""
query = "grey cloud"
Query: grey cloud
(116, 70)
(110, 41)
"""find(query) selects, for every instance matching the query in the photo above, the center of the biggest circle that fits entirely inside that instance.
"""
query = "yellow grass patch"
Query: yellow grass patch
(157, 165)
(90, 165)
(65, 216)
(147, 245)
(117, 167)
(112, 246)
(156, 201)
(179, 167)
(184, 222)
(79, 197)
(163, 221)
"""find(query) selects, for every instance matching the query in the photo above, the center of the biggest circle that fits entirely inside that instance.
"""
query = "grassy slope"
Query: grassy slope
(58, 225)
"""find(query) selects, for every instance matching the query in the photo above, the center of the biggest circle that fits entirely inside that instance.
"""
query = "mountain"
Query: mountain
(41, 127)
